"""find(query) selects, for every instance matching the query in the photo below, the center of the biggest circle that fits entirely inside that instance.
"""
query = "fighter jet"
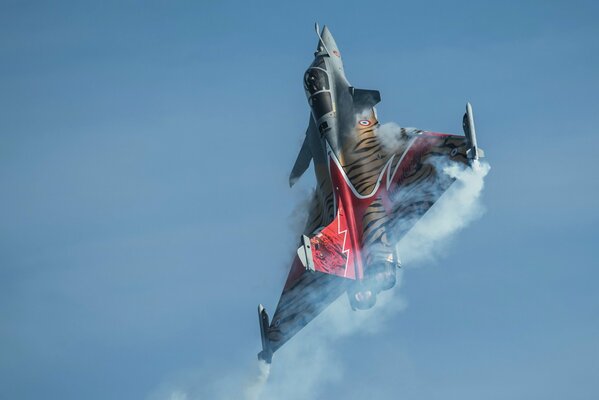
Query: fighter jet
(370, 190)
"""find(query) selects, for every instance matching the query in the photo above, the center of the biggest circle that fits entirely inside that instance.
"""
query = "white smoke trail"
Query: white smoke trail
(308, 362)
(178, 395)
(457, 208)
(255, 386)
(213, 383)
(309, 358)
(391, 137)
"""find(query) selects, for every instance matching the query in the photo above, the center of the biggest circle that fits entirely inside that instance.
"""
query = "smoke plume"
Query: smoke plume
(456, 209)
(308, 362)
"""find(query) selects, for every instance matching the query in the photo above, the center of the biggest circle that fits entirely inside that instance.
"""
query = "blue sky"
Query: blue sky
(144, 155)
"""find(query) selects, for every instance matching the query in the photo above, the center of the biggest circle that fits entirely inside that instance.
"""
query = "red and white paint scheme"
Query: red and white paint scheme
(370, 191)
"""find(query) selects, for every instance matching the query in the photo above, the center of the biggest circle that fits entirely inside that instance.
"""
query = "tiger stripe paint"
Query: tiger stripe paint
(370, 190)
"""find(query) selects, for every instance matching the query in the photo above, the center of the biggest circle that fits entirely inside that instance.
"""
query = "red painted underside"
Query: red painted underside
(332, 249)
(337, 248)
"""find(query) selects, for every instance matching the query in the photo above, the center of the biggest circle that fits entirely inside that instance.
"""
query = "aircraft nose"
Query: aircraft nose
(327, 38)
(326, 32)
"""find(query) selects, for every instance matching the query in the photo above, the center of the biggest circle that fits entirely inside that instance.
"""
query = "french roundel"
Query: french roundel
(364, 122)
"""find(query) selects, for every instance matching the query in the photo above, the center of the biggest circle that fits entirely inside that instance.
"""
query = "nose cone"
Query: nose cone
(330, 46)
(329, 41)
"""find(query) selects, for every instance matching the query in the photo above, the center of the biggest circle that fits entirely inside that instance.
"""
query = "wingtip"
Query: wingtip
(265, 356)
(266, 353)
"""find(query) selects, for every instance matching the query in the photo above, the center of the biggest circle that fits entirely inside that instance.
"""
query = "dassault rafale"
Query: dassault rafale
(368, 195)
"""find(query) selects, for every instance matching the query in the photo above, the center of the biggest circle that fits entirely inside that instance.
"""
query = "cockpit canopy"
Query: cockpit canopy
(315, 80)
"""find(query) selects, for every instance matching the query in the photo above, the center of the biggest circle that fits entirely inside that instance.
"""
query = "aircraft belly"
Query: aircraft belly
(300, 304)
(370, 191)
